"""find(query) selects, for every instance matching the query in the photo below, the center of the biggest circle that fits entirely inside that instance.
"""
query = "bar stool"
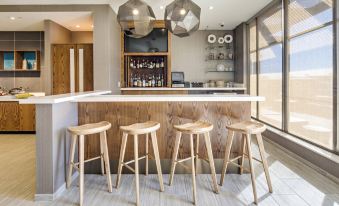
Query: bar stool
(246, 128)
(196, 128)
(145, 128)
(81, 131)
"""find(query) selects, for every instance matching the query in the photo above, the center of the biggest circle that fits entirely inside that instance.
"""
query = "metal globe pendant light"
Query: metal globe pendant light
(136, 18)
(182, 17)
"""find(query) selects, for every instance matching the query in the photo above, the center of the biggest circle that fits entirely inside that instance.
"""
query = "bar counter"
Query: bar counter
(66, 110)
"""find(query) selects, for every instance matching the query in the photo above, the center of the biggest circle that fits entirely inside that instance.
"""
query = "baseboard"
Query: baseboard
(51, 197)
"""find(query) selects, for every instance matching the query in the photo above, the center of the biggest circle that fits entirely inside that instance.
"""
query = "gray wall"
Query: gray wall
(189, 54)
(54, 34)
(82, 37)
(106, 63)
(240, 53)
(31, 81)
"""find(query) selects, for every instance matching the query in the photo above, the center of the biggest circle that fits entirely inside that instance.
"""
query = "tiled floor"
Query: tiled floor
(294, 183)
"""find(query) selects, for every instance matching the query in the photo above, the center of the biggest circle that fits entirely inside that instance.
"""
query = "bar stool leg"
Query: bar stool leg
(157, 159)
(103, 136)
(81, 167)
(121, 158)
(193, 169)
(102, 156)
(227, 155)
(146, 164)
(175, 156)
(264, 162)
(71, 160)
(196, 153)
(248, 144)
(136, 169)
(211, 161)
(242, 154)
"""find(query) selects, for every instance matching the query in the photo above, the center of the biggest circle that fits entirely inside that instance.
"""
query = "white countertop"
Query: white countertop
(12, 98)
(171, 98)
(60, 98)
(183, 89)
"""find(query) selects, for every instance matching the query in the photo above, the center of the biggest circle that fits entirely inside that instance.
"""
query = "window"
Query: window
(308, 67)
(311, 70)
(270, 66)
(253, 65)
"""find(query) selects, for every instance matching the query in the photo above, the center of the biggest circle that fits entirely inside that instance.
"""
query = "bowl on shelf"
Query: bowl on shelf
(220, 83)
(220, 67)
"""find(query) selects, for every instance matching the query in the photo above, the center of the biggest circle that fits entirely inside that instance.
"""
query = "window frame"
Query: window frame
(286, 67)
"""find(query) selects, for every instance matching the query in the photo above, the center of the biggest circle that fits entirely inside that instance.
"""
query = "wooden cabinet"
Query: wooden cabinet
(72, 68)
(15, 117)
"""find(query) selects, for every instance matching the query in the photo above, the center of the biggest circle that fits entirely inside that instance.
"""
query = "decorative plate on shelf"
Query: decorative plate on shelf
(211, 38)
(228, 38)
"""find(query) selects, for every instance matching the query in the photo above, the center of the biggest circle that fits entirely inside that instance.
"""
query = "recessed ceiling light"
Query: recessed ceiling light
(135, 12)
(182, 11)
(77, 26)
(161, 7)
(12, 18)
(211, 8)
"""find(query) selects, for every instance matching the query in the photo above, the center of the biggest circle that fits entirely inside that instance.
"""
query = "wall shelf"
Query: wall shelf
(218, 71)
(9, 60)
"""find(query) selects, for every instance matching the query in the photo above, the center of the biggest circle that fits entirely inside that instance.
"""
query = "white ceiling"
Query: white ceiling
(229, 12)
(34, 21)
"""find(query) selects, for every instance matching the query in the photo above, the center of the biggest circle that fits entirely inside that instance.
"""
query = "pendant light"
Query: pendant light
(136, 18)
(182, 17)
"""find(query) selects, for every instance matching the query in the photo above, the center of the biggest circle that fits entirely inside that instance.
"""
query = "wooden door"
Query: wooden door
(72, 68)
(62, 67)
(84, 69)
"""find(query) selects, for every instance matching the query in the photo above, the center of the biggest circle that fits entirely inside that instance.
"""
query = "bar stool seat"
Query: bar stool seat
(198, 127)
(195, 128)
(79, 132)
(141, 128)
(87, 129)
(146, 128)
(246, 128)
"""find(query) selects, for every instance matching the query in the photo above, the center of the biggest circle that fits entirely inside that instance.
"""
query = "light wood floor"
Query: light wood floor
(294, 183)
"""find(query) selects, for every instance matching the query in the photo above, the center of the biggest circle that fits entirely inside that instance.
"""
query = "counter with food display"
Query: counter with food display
(15, 117)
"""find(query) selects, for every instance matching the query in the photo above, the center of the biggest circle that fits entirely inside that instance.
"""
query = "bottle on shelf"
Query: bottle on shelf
(153, 81)
(138, 64)
(159, 81)
(143, 81)
(131, 64)
(162, 80)
(149, 81)
(162, 64)
(135, 82)
(157, 65)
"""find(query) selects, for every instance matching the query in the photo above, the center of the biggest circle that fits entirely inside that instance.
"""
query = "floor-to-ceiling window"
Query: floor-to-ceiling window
(307, 110)
(310, 92)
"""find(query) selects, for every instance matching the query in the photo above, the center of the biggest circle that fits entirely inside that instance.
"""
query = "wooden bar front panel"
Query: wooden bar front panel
(219, 114)
(15, 117)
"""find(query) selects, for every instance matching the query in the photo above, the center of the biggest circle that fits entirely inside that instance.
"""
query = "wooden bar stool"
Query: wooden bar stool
(195, 128)
(246, 128)
(145, 128)
(81, 131)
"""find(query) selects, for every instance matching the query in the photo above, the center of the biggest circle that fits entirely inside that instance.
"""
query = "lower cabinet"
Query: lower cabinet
(15, 117)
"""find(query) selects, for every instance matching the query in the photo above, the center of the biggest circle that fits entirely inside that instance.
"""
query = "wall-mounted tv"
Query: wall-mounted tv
(156, 41)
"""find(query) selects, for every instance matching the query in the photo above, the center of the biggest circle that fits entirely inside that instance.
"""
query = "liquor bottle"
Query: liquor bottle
(149, 81)
(153, 81)
(138, 64)
(143, 81)
(146, 81)
(131, 83)
(162, 65)
(135, 82)
(157, 65)
(159, 81)
(162, 80)
(131, 64)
